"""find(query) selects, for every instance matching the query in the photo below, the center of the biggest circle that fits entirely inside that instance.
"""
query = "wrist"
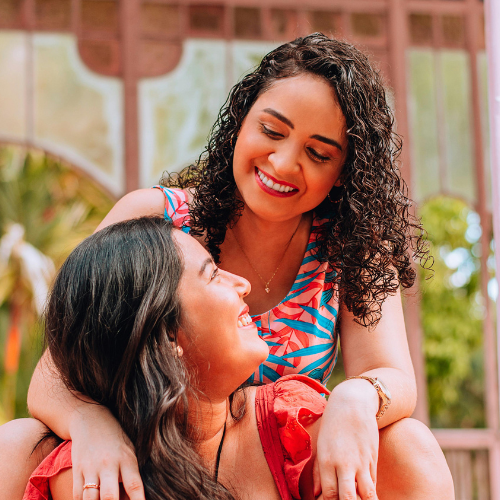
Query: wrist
(84, 416)
(357, 394)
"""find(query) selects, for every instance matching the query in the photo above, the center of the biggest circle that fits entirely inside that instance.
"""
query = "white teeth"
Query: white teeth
(273, 185)
(244, 320)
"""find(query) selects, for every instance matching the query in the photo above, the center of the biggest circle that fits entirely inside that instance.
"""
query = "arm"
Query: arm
(382, 352)
(101, 451)
(348, 437)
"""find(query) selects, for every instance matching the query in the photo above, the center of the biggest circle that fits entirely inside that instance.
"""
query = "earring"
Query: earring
(333, 201)
(180, 351)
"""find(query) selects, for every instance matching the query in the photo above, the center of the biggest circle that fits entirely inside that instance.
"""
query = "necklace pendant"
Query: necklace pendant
(267, 289)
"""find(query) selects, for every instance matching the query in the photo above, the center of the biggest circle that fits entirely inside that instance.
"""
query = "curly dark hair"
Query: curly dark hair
(371, 234)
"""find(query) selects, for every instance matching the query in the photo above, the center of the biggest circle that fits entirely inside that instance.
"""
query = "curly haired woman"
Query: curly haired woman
(298, 192)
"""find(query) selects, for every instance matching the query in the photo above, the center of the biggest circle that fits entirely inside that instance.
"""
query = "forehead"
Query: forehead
(307, 100)
(193, 253)
(305, 86)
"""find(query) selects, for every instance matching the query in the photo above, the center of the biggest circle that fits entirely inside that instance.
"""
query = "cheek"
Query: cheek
(249, 146)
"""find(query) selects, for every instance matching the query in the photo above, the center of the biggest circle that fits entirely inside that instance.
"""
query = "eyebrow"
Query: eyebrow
(326, 140)
(206, 262)
(286, 121)
(279, 116)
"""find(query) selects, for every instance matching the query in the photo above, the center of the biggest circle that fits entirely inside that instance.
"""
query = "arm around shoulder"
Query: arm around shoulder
(140, 203)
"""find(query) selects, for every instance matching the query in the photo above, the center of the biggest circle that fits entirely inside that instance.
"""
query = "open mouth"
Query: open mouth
(273, 186)
(244, 320)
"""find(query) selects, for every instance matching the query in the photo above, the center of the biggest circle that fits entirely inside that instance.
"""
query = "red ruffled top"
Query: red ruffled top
(38, 485)
(283, 410)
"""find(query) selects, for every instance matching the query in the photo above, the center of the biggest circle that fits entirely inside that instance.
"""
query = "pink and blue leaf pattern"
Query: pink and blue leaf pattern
(301, 330)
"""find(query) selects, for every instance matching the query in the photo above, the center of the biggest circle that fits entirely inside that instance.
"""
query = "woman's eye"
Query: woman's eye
(214, 274)
(271, 133)
(316, 156)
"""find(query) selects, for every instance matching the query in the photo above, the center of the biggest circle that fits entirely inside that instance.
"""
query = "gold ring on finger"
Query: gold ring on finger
(91, 485)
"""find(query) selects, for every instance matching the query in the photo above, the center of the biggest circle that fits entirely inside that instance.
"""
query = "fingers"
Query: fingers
(366, 487)
(77, 485)
(346, 486)
(373, 471)
(329, 486)
(90, 493)
(110, 489)
(132, 482)
(316, 478)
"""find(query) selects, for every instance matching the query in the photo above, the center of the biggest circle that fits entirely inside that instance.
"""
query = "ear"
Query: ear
(181, 342)
(340, 181)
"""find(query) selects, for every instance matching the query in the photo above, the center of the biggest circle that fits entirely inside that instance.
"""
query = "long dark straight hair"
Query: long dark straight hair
(111, 324)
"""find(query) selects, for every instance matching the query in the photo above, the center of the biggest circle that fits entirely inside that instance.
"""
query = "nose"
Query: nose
(285, 160)
(241, 285)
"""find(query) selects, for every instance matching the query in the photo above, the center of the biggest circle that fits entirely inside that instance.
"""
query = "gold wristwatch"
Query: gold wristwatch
(382, 391)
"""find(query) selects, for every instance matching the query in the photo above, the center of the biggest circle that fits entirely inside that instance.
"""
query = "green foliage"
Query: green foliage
(57, 207)
(452, 315)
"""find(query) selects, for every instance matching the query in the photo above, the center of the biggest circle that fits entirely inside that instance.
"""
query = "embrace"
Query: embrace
(189, 339)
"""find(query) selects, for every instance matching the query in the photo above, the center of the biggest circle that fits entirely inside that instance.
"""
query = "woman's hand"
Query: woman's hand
(347, 449)
(102, 454)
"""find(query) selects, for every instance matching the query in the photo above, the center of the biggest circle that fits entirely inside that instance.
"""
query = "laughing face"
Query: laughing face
(291, 148)
(218, 337)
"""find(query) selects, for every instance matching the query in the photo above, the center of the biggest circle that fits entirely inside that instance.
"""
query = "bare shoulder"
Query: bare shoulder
(140, 203)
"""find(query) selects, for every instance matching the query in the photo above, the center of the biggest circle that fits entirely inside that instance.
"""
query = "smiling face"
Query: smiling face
(291, 148)
(218, 336)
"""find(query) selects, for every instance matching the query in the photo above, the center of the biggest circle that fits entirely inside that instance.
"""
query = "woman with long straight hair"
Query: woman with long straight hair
(127, 326)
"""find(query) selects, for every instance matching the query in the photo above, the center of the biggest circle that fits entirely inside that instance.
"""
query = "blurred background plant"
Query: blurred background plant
(46, 209)
(452, 310)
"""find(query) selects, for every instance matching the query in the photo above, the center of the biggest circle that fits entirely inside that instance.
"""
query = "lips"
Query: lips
(244, 319)
(274, 187)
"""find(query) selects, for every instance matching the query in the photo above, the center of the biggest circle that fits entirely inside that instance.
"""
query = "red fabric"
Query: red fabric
(283, 409)
(38, 485)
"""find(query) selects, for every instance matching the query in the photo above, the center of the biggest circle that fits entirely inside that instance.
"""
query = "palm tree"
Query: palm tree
(45, 210)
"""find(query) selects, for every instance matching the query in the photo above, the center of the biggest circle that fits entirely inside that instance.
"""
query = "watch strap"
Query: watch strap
(384, 398)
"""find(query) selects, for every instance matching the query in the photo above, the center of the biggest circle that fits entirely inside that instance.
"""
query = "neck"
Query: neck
(251, 228)
(208, 418)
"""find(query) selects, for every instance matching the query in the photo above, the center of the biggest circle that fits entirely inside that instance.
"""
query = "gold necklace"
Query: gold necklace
(266, 283)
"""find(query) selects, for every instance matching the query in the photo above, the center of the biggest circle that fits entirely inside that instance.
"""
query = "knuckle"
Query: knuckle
(129, 455)
(108, 496)
(134, 486)
(106, 461)
(371, 495)
(330, 493)
(348, 495)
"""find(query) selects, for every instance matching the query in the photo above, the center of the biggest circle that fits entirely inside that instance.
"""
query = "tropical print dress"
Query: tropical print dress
(301, 330)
